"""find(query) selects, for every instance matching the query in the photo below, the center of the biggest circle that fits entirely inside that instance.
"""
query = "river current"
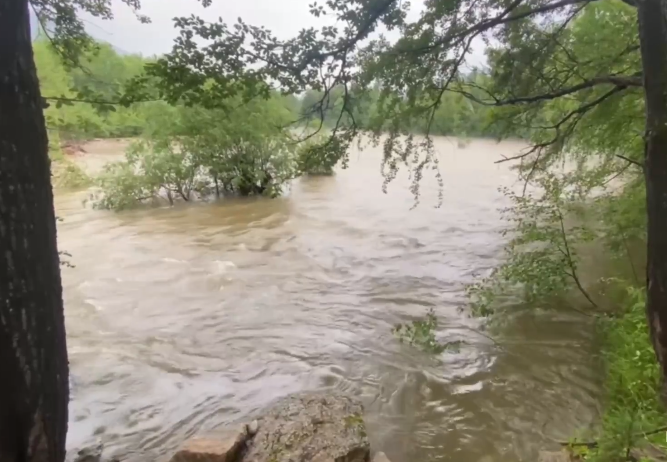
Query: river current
(186, 318)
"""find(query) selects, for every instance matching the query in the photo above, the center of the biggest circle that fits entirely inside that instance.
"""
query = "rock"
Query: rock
(554, 456)
(317, 427)
(380, 457)
(252, 428)
(226, 448)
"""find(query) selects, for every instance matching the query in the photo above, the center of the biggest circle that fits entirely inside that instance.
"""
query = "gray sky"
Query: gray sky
(283, 17)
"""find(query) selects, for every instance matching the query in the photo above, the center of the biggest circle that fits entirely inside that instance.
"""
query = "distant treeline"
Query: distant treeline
(102, 75)
(105, 72)
(456, 115)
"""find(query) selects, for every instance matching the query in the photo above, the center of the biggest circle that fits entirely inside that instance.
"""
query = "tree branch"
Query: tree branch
(580, 111)
(616, 175)
(361, 34)
(570, 262)
(627, 159)
(452, 74)
(500, 19)
(95, 101)
(621, 82)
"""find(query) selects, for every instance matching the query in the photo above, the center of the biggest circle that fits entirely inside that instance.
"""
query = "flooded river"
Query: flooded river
(183, 319)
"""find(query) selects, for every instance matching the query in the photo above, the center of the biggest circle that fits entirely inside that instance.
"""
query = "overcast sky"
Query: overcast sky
(283, 17)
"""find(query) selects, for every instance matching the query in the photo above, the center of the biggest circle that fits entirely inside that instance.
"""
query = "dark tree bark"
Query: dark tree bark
(34, 391)
(653, 40)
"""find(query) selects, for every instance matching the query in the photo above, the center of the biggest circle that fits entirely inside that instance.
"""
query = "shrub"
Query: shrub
(420, 333)
(199, 152)
(318, 156)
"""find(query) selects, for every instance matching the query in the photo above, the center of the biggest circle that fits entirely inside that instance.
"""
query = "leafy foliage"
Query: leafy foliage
(317, 156)
(194, 152)
(148, 173)
(633, 414)
(546, 227)
(633, 379)
(421, 333)
(61, 22)
(103, 74)
(547, 73)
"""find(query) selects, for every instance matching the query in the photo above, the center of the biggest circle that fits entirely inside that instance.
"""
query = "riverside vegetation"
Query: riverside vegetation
(186, 152)
(582, 81)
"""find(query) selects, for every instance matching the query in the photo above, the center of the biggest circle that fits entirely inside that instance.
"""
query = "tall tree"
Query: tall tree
(34, 389)
(555, 66)
(653, 39)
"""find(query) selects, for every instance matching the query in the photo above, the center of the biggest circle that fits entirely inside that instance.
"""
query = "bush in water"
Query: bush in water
(195, 153)
(420, 333)
(146, 174)
(318, 156)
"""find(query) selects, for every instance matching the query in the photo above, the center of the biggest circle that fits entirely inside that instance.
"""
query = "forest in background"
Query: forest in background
(456, 115)
(105, 72)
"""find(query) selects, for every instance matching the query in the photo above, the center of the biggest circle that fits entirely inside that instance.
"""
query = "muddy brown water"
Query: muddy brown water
(187, 318)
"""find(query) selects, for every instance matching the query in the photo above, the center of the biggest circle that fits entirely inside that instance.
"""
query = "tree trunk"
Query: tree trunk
(34, 390)
(653, 41)
(217, 186)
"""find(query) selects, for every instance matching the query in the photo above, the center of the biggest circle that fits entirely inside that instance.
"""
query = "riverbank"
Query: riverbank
(632, 424)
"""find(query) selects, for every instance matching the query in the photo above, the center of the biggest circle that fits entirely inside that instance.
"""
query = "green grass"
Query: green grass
(632, 408)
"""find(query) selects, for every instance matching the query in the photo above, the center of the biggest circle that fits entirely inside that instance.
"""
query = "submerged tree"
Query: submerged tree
(555, 66)
(193, 152)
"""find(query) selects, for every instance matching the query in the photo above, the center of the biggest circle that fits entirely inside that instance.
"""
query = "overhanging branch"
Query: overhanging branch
(350, 43)
(500, 19)
(97, 101)
(579, 112)
(452, 75)
(620, 81)
(627, 159)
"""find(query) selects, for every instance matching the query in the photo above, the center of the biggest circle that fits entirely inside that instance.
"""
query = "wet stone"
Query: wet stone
(311, 426)
(224, 448)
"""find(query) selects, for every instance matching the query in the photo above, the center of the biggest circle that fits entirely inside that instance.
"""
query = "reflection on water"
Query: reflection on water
(182, 319)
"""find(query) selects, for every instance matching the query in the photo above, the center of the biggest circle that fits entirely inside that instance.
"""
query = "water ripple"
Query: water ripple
(184, 319)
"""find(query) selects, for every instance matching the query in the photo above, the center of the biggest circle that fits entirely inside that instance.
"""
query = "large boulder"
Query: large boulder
(317, 427)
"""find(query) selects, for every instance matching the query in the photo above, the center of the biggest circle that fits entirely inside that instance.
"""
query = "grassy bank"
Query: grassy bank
(632, 426)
